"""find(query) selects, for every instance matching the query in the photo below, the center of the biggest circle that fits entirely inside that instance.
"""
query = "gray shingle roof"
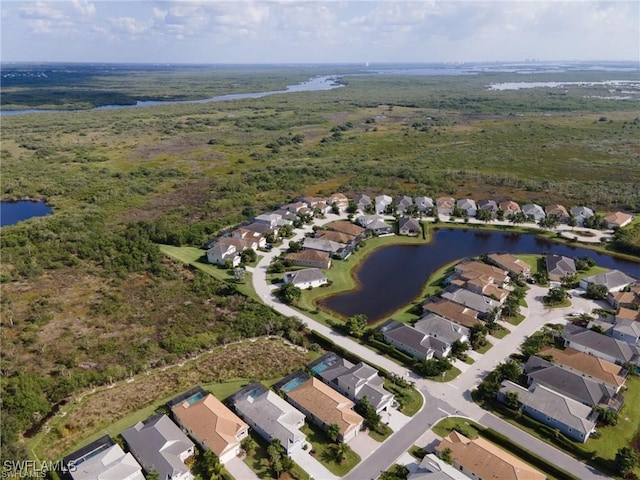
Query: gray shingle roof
(438, 327)
(304, 276)
(158, 443)
(611, 279)
(599, 343)
(559, 266)
(470, 299)
(554, 405)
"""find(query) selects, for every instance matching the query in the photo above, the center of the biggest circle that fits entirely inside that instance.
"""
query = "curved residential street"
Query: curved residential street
(441, 399)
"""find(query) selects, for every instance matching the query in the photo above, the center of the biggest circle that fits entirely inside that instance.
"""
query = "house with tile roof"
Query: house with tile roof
(340, 200)
(338, 237)
(595, 368)
(572, 384)
(245, 234)
(309, 258)
(306, 278)
(454, 312)
(321, 245)
(102, 459)
(510, 263)
(355, 381)
(445, 205)
(321, 404)
(614, 280)
(481, 459)
(210, 424)
(159, 445)
(474, 269)
(270, 416)
(625, 299)
(559, 267)
(347, 227)
(618, 219)
(601, 346)
(558, 210)
(509, 208)
(570, 417)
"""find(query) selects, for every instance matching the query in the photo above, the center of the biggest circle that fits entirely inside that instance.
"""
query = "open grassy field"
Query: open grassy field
(89, 298)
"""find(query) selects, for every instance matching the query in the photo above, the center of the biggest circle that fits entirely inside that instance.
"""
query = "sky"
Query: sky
(318, 31)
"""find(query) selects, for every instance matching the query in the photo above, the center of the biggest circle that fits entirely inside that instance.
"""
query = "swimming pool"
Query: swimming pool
(293, 384)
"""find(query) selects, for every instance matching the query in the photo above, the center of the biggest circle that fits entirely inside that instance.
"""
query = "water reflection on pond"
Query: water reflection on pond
(393, 276)
(14, 212)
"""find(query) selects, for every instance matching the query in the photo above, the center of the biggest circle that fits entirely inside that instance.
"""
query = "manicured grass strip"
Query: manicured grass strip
(485, 348)
(323, 448)
(472, 430)
(449, 375)
(383, 436)
(258, 461)
(517, 320)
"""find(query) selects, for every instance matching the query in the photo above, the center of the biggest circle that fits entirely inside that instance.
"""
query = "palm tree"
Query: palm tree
(333, 432)
(341, 450)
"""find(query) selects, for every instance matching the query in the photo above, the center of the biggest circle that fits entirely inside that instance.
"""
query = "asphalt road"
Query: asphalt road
(441, 399)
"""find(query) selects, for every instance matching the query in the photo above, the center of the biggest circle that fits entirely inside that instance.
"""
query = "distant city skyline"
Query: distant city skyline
(317, 31)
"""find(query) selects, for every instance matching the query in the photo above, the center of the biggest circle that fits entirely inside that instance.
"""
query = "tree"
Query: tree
(556, 296)
(289, 293)
(356, 324)
(606, 416)
(239, 274)
(446, 455)
(626, 460)
(352, 207)
(294, 247)
(340, 450)
(248, 256)
(509, 370)
(368, 412)
(248, 444)
(333, 432)
(484, 215)
(153, 475)
(512, 399)
(596, 292)
(478, 336)
(459, 349)
(211, 466)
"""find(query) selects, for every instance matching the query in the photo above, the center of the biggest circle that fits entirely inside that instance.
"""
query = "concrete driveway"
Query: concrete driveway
(310, 465)
(240, 470)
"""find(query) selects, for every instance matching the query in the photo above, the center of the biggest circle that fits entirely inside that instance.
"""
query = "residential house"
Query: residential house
(432, 468)
(262, 228)
(321, 245)
(413, 342)
(490, 206)
(363, 202)
(339, 200)
(445, 330)
(580, 214)
(614, 280)
(354, 381)
(533, 212)
(210, 423)
(572, 384)
(627, 330)
(159, 445)
(403, 202)
(481, 459)
(482, 285)
(485, 306)
(289, 216)
(296, 207)
(270, 416)
(601, 346)
(452, 311)
(322, 404)
(598, 369)
(509, 208)
(618, 219)
(103, 459)
(627, 299)
(338, 237)
(349, 228)
(221, 252)
(558, 210)
(245, 234)
(382, 202)
(468, 206)
(424, 204)
(510, 263)
(570, 417)
(270, 219)
(364, 220)
(306, 278)
(473, 269)
(375, 224)
(409, 226)
(559, 267)
(445, 205)
(240, 244)
(309, 258)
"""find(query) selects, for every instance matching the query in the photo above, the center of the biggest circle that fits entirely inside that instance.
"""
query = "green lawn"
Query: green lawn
(485, 348)
(500, 332)
(259, 460)
(323, 448)
(517, 320)
(533, 260)
(383, 436)
(449, 375)
(410, 399)
(193, 256)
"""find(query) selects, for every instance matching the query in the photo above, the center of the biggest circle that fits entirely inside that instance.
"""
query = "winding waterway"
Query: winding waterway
(394, 276)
